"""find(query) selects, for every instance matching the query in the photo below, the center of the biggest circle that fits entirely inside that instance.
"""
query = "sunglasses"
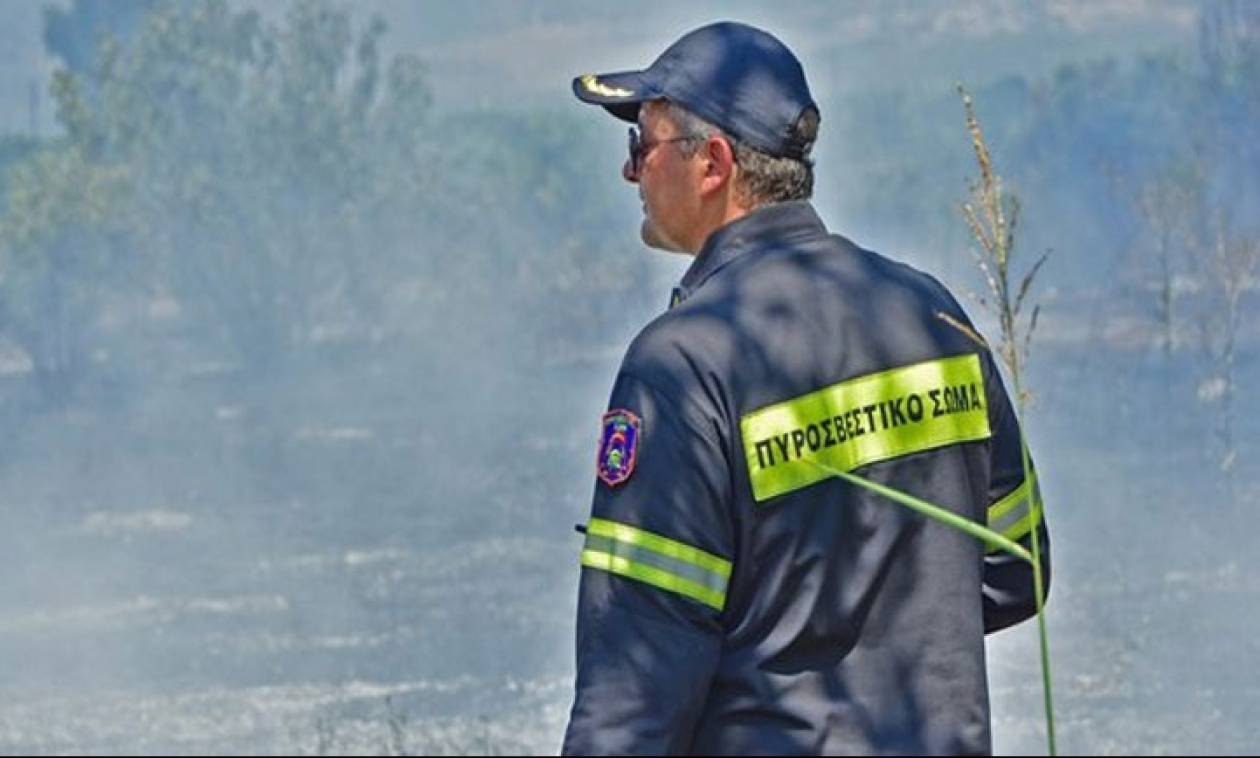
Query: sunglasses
(639, 147)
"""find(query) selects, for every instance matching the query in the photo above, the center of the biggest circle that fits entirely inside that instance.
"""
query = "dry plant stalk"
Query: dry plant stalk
(991, 215)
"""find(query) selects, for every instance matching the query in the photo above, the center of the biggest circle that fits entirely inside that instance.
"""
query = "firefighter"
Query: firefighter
(735, 597)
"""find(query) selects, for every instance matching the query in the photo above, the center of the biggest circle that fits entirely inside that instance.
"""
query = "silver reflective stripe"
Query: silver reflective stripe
(643, 556)
(654, 559)
(1013, 516)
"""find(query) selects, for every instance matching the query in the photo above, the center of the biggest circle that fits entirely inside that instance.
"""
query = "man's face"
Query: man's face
(668, 179)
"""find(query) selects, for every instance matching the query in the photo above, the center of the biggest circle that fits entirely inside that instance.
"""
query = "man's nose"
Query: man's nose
(628, 173)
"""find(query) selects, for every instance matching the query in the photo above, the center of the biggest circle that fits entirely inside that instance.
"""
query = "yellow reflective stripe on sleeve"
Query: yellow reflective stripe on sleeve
(655, 560)
(1013, 516)
(658, 544)
(864, 420)
(653, 576)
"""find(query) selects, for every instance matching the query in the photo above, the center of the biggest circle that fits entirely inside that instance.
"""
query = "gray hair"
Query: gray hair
(762, 178)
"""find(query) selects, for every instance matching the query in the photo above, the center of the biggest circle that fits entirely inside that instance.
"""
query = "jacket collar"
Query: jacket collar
(768, 226)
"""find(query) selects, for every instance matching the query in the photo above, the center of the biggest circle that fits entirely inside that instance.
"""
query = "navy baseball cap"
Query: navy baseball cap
(732, 75)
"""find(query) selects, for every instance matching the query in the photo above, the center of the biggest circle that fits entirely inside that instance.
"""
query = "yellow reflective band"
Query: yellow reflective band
(864, 420)
(1024, 525)
(1013, 516)
(1017, 497)
(658, 544)
(653, 576)
(659, 561)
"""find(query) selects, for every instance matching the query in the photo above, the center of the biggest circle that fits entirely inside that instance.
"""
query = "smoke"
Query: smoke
(308, 321)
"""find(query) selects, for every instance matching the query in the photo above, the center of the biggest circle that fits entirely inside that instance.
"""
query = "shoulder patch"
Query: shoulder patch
(618, 447)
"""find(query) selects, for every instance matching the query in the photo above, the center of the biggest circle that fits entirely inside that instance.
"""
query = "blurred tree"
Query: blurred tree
(1229, 41)
(75, 33)
(1232, 262)
(220, 158)
(1229, 47)
(1199, 201)
(59, 235)
(250, 151)
(1162, 253)
(285, 186)
(248, 155)
(13, 150)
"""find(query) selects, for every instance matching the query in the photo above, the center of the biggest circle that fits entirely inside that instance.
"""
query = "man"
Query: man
(736, 597)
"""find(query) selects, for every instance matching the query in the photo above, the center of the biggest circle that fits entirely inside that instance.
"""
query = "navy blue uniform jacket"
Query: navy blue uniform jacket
(738, 598)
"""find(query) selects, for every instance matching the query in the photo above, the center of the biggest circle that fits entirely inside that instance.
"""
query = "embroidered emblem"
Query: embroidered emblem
(618, 447)
(593, 84)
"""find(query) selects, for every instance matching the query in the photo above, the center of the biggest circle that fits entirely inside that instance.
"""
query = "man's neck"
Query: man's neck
(721, 217)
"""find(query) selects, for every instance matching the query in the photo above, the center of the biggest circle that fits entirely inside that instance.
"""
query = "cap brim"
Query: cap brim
(621, 93)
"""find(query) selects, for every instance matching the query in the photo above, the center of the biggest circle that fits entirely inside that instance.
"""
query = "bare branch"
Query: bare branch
(1032, 327)
(1027, 282)
(960, 326)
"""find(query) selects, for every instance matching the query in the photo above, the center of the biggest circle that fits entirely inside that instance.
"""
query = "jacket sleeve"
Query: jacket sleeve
(655, 565)
(1015, 511)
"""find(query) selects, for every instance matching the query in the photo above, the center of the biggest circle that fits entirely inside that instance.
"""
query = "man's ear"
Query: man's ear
(719, 164)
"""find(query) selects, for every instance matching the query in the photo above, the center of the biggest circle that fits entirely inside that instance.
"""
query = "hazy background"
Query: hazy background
(308, 312)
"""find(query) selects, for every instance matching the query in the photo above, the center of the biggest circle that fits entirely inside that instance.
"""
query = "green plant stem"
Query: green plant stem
(987, 536)
(997, 242)
(936, 512)
(1038, 580)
